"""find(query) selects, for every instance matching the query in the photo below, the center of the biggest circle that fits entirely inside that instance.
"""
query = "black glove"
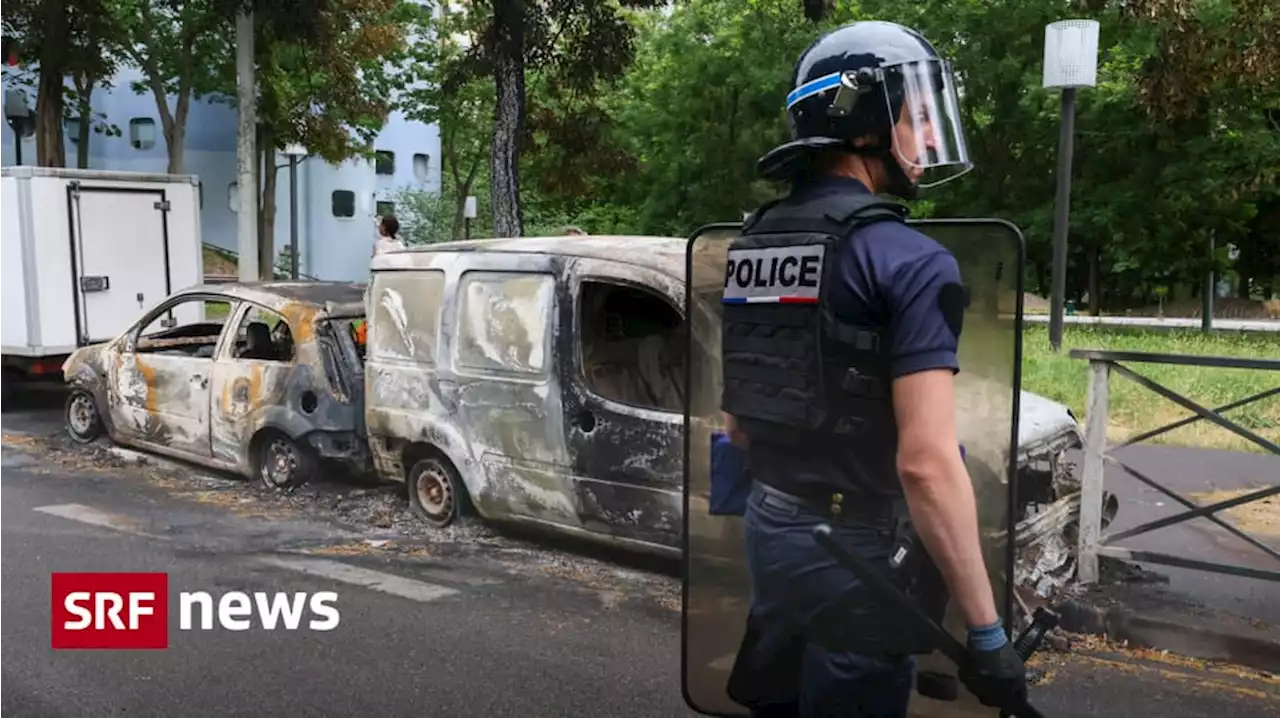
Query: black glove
(998, 678)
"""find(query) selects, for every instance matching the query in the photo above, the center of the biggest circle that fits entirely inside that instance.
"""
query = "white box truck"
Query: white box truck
(85, 253)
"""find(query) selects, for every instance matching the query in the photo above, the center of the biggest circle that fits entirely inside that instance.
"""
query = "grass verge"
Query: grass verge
(1134, 409)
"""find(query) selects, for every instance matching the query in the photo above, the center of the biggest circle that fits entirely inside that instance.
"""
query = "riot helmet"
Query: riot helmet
(876, 80)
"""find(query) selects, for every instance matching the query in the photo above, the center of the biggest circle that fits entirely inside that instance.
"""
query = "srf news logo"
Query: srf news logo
(131, 610)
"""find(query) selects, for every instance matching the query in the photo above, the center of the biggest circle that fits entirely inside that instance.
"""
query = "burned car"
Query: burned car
(541, 381)
(261, 379)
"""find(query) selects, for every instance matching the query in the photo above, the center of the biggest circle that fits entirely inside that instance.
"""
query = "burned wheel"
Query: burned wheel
(9, 384)
(282, 463)
(436, 493)
(84, 423)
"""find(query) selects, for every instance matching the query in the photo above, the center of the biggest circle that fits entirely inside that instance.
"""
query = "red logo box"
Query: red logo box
(110, 610)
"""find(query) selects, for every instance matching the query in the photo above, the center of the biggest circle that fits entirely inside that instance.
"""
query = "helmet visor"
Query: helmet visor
(928, 137)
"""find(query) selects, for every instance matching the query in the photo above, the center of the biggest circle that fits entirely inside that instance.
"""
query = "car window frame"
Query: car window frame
(128, 343)
(227, 343)
(595, 270)
(459, 287)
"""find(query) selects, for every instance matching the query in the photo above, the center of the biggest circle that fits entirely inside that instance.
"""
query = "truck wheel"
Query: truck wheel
(280, 463)
(9, 385)
(436, 492)
(84, 424)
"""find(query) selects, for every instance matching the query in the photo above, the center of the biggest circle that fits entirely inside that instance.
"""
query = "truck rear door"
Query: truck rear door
(120, 250)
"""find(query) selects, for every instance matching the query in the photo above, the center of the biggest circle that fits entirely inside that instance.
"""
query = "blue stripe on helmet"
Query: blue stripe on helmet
(813, 87)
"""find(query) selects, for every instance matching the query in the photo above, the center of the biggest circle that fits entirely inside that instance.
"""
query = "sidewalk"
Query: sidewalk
(1108, 681)
(1234, 325)
(1207, 615)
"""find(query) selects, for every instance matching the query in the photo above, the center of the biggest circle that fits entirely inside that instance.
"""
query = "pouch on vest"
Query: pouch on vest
(730, 486)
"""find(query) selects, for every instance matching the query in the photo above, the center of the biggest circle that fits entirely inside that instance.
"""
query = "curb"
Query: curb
(1121, 624)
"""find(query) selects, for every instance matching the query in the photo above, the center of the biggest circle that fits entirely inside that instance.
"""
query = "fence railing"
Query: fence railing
(277, 272)
(1092, 543)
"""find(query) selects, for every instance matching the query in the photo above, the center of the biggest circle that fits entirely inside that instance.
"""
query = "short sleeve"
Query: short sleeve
(921, 338)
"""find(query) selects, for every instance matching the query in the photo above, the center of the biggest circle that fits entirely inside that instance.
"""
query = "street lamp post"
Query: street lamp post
(1070, 61)
(18, 114)
(468, 214)
(294, 152)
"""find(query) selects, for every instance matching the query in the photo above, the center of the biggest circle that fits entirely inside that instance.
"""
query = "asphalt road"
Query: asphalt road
(499, 642)
(472, 623)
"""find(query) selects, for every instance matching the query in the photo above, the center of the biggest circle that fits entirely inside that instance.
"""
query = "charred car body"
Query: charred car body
(541, 380)
(262, 379)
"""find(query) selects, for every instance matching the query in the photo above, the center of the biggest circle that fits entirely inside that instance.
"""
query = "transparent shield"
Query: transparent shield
(716, 585)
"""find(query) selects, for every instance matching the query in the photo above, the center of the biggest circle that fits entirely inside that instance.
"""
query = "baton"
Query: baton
(886, 592)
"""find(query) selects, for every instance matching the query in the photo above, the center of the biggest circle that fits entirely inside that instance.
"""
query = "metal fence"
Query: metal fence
(1092, 543)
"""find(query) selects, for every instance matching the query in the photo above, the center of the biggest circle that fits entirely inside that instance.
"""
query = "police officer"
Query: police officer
(840, 331)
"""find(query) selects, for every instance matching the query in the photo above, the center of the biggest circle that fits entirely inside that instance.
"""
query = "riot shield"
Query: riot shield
(716, 585)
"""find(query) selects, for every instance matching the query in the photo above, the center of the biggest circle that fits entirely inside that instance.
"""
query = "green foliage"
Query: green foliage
(437, 86)
(425, 217)
(1156, 173)
(623, 117)
(61, 39)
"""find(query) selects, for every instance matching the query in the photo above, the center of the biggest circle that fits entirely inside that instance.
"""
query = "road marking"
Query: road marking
(376, 580)
(95, 517)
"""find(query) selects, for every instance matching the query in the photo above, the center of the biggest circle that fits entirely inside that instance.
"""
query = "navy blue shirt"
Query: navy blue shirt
(887, 274)
(891, 275)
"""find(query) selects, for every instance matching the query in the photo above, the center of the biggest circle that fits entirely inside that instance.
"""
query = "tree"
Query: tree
(65, 38)
(322, 83)
(701, 103)
(439, 89)
(580, 41)
(179, 45)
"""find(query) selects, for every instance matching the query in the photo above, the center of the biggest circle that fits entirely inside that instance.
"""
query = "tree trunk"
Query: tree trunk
(85, 131)
(50, 151)
(176, 139)
(508, 118)
(267, 213)
(175, 133)
(173, 124)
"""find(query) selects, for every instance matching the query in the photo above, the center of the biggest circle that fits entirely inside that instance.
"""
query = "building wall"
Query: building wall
(336, 204)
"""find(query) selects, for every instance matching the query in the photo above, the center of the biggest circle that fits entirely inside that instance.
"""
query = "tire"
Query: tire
(280, 463)
(9, 386)
(80, 414)
(436, 492)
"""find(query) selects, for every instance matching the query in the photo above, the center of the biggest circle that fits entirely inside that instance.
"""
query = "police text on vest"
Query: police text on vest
(782, 275)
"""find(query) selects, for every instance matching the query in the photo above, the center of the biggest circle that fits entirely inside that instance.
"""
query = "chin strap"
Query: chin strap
(899, 185)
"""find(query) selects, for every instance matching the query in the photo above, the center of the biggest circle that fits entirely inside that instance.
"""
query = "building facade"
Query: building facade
(337, 205)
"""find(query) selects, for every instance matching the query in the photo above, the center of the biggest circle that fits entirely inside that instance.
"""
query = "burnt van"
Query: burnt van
(536, 380)
(542, 381)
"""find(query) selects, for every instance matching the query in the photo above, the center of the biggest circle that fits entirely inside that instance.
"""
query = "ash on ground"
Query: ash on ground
(379, 513)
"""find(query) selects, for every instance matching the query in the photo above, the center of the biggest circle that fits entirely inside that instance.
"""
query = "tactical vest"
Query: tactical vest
(796, 377)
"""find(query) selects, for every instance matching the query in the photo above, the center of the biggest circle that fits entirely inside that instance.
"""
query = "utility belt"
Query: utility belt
(836, 505)
(857, 622)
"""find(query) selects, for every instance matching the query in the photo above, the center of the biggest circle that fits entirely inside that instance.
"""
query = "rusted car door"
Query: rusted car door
(160, 374)
(622, 375)
(503, 382)
(250, 375)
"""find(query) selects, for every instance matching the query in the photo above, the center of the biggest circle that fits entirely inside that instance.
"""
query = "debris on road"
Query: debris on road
(1261, 516)
(1097, 653)
(381, 517)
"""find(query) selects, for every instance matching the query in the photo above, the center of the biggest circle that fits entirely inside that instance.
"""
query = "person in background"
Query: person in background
(388, 239)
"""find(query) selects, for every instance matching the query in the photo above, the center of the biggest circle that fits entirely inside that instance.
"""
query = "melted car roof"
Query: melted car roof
(664, 254)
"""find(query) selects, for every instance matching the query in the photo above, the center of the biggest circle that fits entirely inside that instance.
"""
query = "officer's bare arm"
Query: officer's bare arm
(938, 490)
